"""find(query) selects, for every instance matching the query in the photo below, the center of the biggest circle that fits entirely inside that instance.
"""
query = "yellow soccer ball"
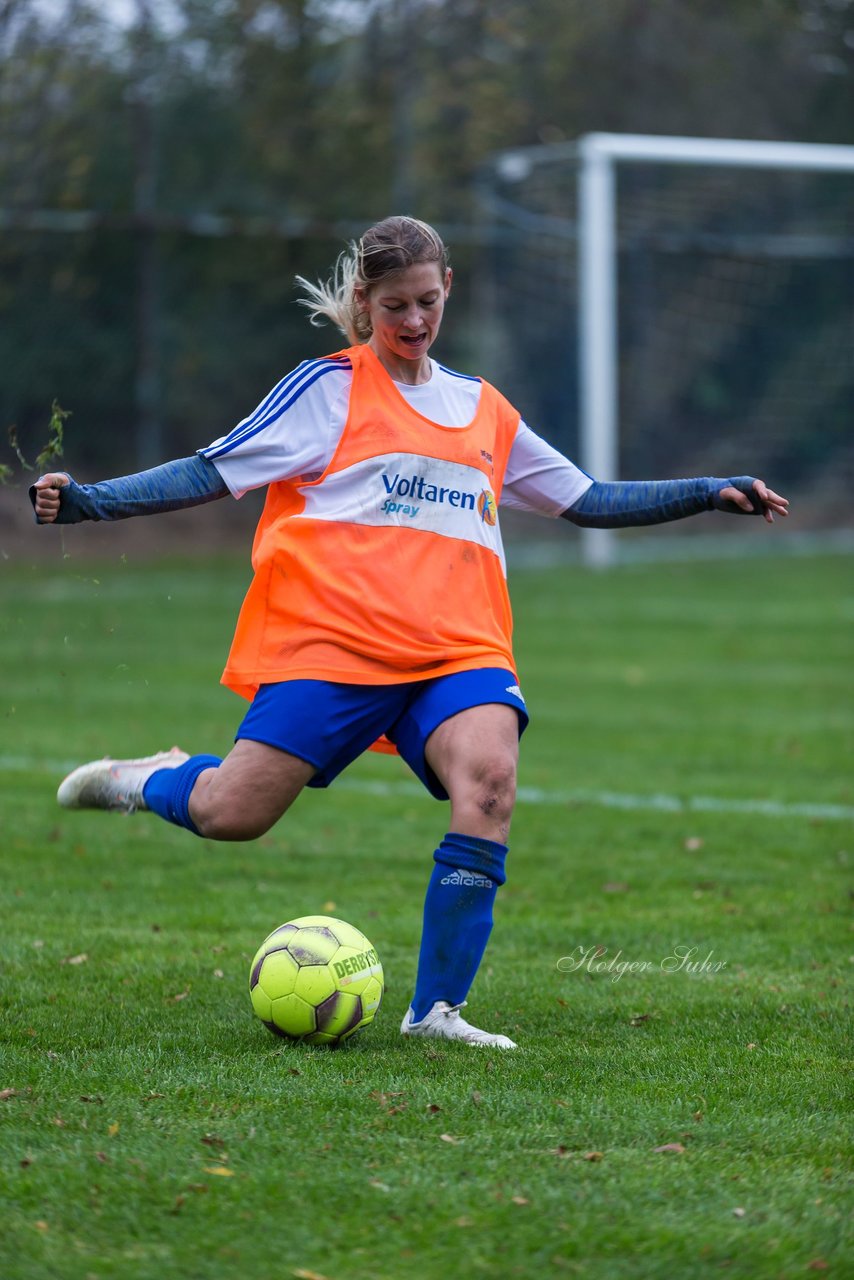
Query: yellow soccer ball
(316, 979)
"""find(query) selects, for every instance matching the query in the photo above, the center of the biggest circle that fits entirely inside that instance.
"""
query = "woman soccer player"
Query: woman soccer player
(378, 613)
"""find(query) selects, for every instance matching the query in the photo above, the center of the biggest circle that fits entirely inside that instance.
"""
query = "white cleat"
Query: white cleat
(443, 1022)
(115, 784)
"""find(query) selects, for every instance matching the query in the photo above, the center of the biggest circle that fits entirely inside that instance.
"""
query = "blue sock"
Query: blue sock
(457, 919)
(167, 791)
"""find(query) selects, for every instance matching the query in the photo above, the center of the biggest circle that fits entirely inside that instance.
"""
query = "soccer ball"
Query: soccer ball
(316, 979)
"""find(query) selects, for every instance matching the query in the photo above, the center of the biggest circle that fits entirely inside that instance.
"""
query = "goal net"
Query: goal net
(671, 307)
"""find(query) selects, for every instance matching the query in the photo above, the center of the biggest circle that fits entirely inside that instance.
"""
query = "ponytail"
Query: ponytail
(335, 298)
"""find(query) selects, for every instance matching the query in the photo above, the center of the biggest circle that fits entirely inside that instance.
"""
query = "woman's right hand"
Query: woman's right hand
(46, 496)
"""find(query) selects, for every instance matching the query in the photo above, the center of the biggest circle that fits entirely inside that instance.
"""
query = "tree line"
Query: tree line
(167, 168)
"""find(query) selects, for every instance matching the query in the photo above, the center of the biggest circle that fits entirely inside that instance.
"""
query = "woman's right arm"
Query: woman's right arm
(293, 432)
(186, 482)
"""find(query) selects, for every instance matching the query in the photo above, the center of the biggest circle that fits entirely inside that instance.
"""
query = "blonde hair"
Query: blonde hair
(384, 250)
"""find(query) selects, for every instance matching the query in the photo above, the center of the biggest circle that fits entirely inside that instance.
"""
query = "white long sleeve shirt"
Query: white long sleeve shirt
(295, 430)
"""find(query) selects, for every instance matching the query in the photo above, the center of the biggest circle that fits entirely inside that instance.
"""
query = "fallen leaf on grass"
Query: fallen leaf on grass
(152, 1096)
(380, 1186)
(104, 1159)
(639, 1018)
(6, 1094)
(615, 886)
(113, 1129)
(672, 1148)
(218, 1170)
(182, 995)
(212, 1140)
(462, 1222)
(433, 1107)
(41, 1225)
(694, 842)
(817, 1264)
(178, 1204)
(594, 1155)
(447, 1137)
(519, 1200)
(739, 1212)
(81, 959)
(302, 1274)
(384, 1100)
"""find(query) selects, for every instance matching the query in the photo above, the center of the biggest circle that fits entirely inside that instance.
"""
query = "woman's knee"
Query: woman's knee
(248, 793)
(216, 822)
(218, 814)
(489, 787)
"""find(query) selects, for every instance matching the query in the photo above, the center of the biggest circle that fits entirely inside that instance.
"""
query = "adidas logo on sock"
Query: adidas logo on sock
(470, 879)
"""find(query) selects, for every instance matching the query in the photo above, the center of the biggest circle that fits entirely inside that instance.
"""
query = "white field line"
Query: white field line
(658, 802)
(622, 800)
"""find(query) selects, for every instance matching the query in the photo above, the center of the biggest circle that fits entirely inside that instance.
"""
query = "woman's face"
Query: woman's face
(406, 311)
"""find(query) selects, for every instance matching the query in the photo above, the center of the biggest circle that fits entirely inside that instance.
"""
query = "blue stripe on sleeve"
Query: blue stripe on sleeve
(280, 399)
(269, 402)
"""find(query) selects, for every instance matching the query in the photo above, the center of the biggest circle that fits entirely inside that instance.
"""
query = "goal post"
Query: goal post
(597, 156)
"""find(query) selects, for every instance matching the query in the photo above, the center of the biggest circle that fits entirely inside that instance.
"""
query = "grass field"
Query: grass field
(150, 1128)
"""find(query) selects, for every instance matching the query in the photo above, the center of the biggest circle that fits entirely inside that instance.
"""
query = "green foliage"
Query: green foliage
(16, 448)
(53, 449)
(50, 451)
(149, 1126)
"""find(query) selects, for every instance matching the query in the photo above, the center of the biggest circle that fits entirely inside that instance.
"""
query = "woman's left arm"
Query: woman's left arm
(624, 503)
(542, 480)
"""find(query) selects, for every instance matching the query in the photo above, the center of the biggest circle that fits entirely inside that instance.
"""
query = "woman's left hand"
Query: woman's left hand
(772, 503)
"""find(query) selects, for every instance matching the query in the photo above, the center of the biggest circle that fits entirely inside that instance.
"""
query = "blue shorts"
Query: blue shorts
(329, 725)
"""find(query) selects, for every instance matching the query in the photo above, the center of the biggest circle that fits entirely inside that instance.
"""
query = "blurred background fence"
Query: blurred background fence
(168, 166)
